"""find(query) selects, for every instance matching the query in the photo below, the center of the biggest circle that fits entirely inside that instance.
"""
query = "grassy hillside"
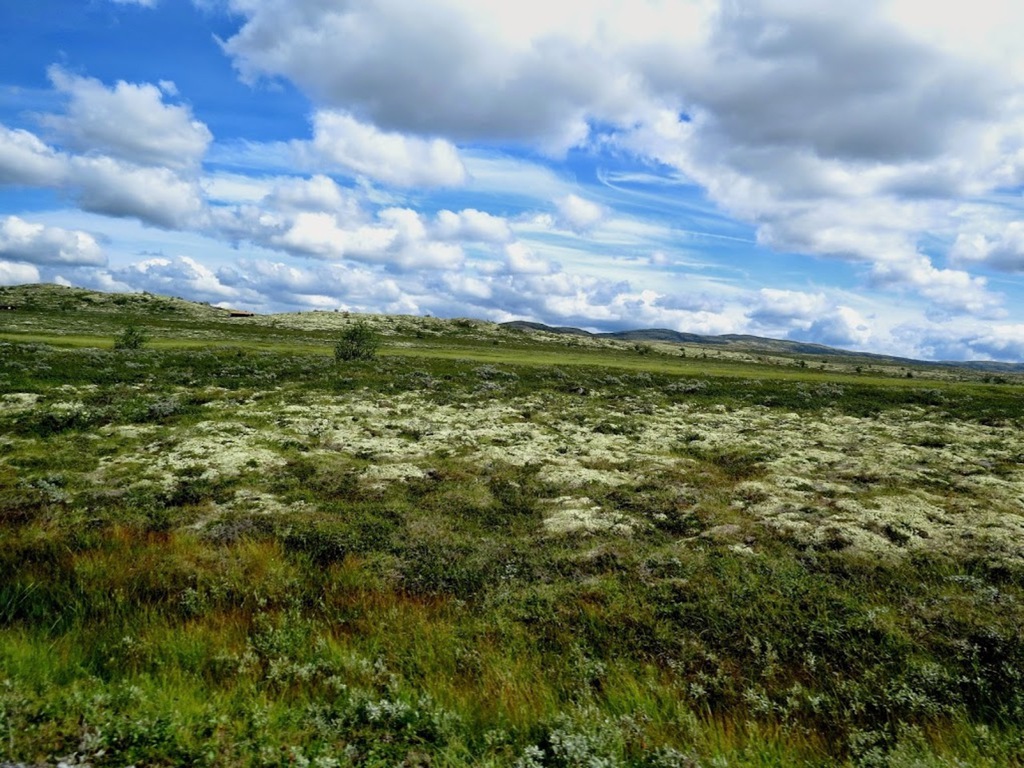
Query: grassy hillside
(495, 547)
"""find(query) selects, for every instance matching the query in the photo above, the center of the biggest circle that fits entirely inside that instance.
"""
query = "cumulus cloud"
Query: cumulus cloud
(234, 188)
(565, 298)
(998, 341)
(25, 241)
(468, 288)
(950, 289)
(781, 308)
(521, 260)
(390, 157)
(842, 327)
(839, 134)
(175, 276)
(317, 193)
(466, 70)
(1002, 250)
(840, 83)
(26, 160)
(321, 235)
(579, 214)
(350, 286)
(155, 195)
(14, 273)
(129, 122)
(811, 317)
(399, 239)
(472, 225)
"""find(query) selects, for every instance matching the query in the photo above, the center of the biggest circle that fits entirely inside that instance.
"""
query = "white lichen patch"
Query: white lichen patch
(408, 430)
(253, 502)
(894, 483)
(18, 401)
(220, 451)
(211, 450)
(66, 407)
(571, 475)
(568, 514)
(128, 431)
(382, 474)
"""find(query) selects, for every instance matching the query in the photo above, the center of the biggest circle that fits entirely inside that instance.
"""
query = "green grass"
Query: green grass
(227, 548)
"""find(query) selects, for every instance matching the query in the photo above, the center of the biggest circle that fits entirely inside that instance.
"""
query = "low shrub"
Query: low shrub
(357, 342)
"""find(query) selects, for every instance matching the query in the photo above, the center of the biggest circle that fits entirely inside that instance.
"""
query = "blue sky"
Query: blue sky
(849, 174)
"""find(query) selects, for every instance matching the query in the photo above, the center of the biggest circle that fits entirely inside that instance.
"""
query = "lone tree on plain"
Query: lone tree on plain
(357, 342)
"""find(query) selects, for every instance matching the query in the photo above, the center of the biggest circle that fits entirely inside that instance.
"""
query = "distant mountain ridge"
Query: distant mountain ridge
(756, 344)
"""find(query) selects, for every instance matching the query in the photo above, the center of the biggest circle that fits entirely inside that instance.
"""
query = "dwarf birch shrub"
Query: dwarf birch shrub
(132, 337)
(357, 342)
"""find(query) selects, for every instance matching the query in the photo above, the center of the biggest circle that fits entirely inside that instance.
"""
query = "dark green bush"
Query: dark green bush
(357, 342)
(132, 337)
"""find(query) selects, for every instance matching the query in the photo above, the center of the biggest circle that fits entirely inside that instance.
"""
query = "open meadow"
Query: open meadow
(490, 547)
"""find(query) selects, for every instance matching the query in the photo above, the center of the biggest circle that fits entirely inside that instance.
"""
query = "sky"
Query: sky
(849, 173)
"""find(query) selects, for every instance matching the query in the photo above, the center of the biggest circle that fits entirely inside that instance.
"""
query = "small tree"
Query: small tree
(357, 342)
(132, 337)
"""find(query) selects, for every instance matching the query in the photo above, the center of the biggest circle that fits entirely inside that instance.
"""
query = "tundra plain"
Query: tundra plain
(491, 547)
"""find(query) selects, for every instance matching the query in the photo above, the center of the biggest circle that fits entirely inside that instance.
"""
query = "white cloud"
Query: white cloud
(976, 341)
(348, 286)
(1002, 250)
(398, 239)
(129, 122)
(321, 235)
(467, 70)
(814, 317)
(842, 327)
(390, 157)
(691, 302)
(1000, 342)
(776, 308)
(579, 214)
(22, 240)
(25, 159)
(521, 260)
(468, 288)
(950, 289)
(472, 225)
(17, 274)
(154, 195)
(177, 276)
(235, 188)
(318, 193)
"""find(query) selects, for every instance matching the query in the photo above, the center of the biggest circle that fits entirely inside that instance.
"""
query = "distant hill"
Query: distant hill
(525, 325)
(760, 344)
